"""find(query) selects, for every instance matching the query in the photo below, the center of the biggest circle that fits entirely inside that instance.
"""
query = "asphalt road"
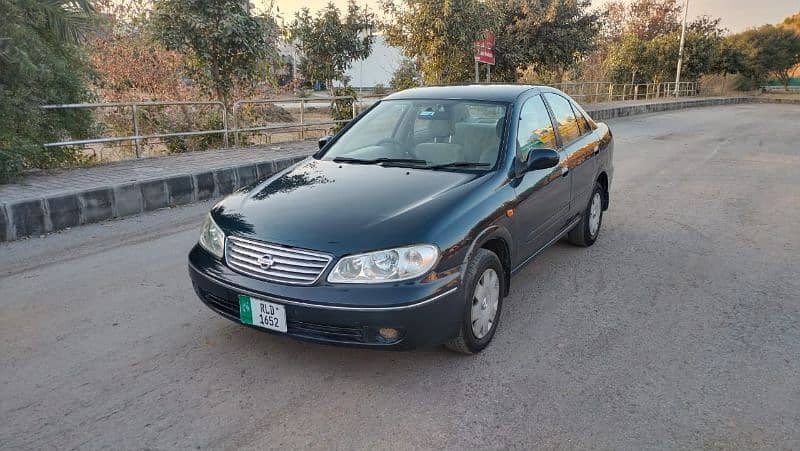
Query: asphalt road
(679, 329)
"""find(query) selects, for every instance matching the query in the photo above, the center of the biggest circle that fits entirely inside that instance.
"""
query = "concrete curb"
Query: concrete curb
(40, 216)
(32, 217)
(603, 114)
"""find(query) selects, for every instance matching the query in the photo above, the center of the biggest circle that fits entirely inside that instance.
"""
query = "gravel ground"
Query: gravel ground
(679, 329)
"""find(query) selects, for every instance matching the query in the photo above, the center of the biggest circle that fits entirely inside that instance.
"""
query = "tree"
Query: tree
(406, 76)
(40, 64)
(328, 42)
(223, 43)
(645, 19)
(792, 23)
(769, 50)
(439, 34)
(637, 60)
(547, 35)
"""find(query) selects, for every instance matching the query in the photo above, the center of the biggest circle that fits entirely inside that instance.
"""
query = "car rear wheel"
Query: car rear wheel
(585, 233)
(484, 281)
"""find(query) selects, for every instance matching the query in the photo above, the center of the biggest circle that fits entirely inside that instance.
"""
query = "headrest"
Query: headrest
(439, 128)
(498, 128)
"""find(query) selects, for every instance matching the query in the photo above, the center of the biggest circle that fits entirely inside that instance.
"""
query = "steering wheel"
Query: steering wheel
(394, 145)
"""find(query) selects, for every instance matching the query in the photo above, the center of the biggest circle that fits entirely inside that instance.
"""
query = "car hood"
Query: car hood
(344, 208)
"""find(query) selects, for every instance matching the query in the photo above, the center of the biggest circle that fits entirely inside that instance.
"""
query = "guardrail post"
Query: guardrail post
(353, 99)
(302, 119)
(136, 132)
(225, 141)
(235, 124)
(636, 92)
(611, 92)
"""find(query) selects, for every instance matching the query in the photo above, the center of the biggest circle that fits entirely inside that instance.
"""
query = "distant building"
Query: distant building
(378, 68)
(375, 70)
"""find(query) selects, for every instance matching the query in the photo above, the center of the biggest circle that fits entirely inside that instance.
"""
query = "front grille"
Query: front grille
(336, 333)
(225, 306)
(289, 265)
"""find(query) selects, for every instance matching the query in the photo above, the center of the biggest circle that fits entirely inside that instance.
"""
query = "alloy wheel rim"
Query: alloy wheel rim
(594, 214)
(484, 303)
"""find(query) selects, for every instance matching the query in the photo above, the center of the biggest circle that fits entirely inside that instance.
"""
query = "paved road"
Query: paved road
(679, 329)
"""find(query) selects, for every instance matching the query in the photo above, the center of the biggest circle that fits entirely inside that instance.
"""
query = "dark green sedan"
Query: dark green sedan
(405, 229)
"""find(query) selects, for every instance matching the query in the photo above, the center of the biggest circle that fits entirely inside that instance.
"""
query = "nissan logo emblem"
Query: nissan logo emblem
(265, 261)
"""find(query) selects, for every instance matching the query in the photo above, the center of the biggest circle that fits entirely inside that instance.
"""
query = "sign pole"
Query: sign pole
(484, 53)
(680, 52)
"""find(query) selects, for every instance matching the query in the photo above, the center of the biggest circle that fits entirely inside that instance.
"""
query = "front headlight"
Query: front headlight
(212, 238)
(390, 265)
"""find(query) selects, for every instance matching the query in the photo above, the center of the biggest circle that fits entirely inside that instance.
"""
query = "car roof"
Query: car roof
(485, 92)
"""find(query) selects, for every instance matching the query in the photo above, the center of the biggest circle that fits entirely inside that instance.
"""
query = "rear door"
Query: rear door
(579, 146)
(543, 196)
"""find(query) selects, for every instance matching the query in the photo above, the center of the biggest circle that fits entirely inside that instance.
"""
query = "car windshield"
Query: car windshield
(428, 134)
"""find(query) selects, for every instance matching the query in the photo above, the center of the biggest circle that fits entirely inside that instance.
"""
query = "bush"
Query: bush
(342, 109)
(406, 76)
(38, 68)
(379, 89)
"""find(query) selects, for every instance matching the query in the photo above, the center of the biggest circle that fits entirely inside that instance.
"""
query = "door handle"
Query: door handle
(564, 171)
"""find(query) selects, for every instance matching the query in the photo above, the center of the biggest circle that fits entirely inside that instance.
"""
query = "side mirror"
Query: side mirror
(324, 140)
(542, 159)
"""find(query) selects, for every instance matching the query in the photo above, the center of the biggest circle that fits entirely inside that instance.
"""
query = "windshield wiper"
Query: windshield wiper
(458, 164)
(378, 160)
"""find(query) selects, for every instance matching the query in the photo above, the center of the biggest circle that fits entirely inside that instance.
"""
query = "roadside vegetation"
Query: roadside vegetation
(74, 51)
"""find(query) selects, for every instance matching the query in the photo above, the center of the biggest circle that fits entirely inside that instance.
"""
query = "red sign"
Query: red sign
(484, 49)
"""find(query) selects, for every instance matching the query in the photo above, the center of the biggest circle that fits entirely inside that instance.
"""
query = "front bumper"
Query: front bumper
(425, 314)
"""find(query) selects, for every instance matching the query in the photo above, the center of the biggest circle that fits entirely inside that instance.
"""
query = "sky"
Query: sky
(737, 15)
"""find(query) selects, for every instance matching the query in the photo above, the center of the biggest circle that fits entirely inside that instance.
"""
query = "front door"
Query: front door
(543, 196)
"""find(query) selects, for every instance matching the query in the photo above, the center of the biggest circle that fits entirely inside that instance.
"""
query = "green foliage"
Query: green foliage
(728, 58)
(769, 50)
(440, 35)
(223, 44)
(39, 65)
(406, 76)
(342, 109)
(637, 60)
(547, 35)
(330, 42)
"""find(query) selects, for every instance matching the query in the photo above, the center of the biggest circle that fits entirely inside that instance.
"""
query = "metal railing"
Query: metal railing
(302, 126)
(232, 124)
(781, 88)
(137, 137)
(601, 91)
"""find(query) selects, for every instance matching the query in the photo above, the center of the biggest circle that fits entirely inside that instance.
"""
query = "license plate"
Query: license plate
(262, 313)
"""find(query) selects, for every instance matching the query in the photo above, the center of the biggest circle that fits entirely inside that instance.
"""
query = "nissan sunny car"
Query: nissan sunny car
(404, 230)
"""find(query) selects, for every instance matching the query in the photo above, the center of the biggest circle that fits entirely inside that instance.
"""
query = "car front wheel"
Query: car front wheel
(483, 282)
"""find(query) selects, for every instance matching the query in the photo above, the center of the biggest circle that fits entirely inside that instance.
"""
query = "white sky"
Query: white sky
(737, 15)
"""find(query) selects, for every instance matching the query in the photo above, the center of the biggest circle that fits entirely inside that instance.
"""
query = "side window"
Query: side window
(583, 124)
(535, 129)
(567, 123)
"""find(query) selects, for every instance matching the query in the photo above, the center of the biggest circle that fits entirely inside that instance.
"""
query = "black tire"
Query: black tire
(466, 342)
(581, 235)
